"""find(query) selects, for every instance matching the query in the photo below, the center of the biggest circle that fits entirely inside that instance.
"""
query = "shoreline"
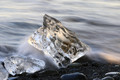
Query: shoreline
(92, 69)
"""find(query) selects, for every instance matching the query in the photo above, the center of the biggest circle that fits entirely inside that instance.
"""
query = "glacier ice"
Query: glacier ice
(58, 42)
(19, 64)
(3, 73)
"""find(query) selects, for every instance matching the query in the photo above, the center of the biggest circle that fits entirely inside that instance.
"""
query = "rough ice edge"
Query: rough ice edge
(3, 73)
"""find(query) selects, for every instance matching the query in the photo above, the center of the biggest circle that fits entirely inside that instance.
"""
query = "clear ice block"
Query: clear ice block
(3, 73)
(18, 65)
(58, 42)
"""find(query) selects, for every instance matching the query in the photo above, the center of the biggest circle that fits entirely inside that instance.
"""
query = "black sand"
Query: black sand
(90, 68)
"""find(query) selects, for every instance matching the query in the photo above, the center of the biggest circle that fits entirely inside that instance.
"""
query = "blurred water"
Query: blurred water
(96, 22)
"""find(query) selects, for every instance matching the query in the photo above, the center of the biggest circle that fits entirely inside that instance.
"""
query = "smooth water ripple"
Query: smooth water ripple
(96, 22)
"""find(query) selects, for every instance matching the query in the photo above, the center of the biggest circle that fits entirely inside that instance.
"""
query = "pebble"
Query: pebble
(72, 70)
(96, 79)
(49, 72)
(117, 66)
(74, 76)
(95, 75)
(108, 78)
(12, 78)
(116, 77)
(112, 73)
(74, 65)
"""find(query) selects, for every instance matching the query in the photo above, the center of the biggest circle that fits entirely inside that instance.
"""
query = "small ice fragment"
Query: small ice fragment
(18, 65)
(58, 42)
(3, 73)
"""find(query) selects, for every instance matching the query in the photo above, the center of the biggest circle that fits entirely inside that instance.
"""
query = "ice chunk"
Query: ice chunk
(58, 42)
(3, 73)
(18, 65)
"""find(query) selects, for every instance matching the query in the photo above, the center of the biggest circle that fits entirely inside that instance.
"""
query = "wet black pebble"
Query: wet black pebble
(112, 73)
(108, 78)
(96, 79)
(74, 65)
(74, 76)
(116, 77)
(95, 75)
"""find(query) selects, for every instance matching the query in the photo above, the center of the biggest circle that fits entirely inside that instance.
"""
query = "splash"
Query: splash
(26, 49)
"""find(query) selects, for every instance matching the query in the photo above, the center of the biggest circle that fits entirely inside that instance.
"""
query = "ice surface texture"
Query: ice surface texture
(58, 42)
(18, 65)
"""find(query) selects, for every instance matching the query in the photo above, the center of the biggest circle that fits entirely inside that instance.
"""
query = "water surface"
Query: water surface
(96, 22)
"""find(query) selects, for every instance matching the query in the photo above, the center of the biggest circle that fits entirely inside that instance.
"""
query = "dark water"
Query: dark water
(96, 22)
